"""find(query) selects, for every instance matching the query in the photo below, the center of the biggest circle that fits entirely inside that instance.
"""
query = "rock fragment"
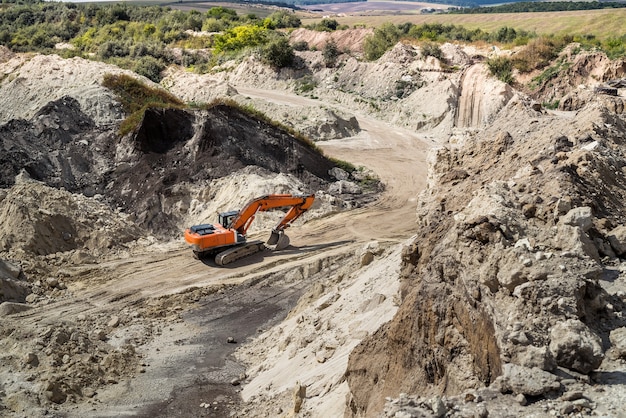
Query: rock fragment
(526, 381)
(299, 394)
(617, 239)
(114, 321)
(574, 346)
(31, 359)
(10, 308)
(618, 342)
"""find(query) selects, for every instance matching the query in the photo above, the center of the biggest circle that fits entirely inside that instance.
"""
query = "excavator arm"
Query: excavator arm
(299, 205)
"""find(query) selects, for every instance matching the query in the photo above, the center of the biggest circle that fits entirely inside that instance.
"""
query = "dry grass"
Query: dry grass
(603, 24)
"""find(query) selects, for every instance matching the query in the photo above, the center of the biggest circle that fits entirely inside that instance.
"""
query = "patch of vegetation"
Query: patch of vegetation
(431, 49)
(330, 53)
(282, 19)
(615, 47)
(150, 68)
(136, 97)
(550, 73)
(501, 68)
(380, 41)
(305, 84)
(539, 53)
(122, 34)
(551, 105)
(344, 165)
(326, 25)
(240, 37)
(367, 181)
(301, 46)
(388, 34)
(278, 53)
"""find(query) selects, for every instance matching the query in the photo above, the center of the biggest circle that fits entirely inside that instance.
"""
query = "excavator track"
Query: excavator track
(234, 254)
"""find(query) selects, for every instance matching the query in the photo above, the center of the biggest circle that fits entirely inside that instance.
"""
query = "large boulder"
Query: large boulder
(527, 381)
(618, 342)
(575, 346)
(12, 289)
(617, 239)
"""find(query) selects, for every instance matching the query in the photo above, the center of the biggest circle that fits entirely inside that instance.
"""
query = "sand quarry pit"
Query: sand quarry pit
(111, 292)
(479, 232)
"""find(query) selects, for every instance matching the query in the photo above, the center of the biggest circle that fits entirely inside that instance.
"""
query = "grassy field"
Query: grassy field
(604, 24)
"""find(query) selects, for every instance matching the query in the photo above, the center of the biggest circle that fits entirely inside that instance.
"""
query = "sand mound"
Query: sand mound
(41, 220)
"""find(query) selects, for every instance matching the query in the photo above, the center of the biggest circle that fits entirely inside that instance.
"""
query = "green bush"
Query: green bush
(240, 37)
(111, 49)
(615, 47)
(214, 25)
(501, 68)
(282, 19)
(278, 53)
(301, 46)
(222, 13)
(431, 49)
(150, 68)
(383, 38)
(330, 53)
(325, 25)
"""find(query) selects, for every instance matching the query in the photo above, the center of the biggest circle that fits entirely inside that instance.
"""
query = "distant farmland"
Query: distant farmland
(375, 7)
(604, 24)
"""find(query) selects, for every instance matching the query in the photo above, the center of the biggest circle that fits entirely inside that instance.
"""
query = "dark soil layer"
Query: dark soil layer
(141, 172)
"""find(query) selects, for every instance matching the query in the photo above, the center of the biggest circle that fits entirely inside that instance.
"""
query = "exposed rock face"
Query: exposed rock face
(346, 40)
(504, 274)
(590, 69)
(480, 97)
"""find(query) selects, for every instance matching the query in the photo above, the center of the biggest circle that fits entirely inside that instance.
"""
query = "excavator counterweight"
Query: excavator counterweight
(227, 238)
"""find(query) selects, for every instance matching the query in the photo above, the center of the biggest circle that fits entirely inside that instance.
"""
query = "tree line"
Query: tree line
(547, 6)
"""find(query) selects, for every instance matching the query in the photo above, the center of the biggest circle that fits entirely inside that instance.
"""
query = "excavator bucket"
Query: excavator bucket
(279, 240)
(274, 237)
(283, 242)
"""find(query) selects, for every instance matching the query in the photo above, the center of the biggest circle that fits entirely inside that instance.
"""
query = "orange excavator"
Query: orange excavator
(227, 238)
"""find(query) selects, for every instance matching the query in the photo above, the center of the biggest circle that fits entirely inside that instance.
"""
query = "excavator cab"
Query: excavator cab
(226, 218)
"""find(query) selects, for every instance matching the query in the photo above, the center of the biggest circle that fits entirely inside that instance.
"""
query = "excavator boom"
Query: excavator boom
(299, 205)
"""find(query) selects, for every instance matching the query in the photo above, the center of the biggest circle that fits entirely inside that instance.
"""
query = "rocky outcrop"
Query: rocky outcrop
(504, 276)
(578, 73)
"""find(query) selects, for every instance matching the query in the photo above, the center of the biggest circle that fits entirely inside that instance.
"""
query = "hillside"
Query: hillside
(470, 261)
